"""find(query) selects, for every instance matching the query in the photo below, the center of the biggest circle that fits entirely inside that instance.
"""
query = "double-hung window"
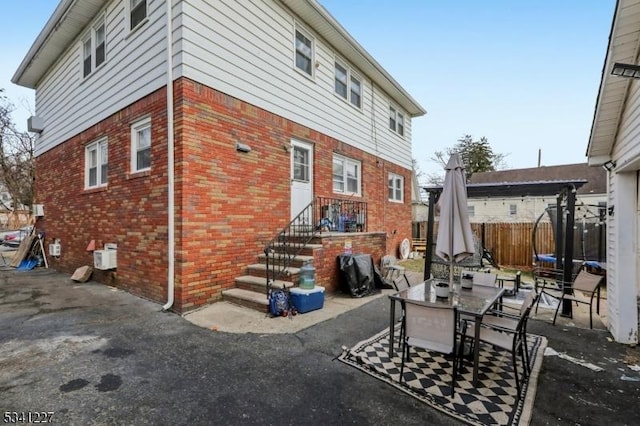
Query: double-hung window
(141, 145)
(94, 50)
(513, 209)
(396, 188)
(346, 175)
(96, 157)
(396, 121)
(137, 12)
(347, 85)
(304, 52)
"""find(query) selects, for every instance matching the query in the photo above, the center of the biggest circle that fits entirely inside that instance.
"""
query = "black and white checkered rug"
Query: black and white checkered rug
(427, 377)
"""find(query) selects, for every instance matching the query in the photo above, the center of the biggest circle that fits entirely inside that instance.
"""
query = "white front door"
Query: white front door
(301, 176)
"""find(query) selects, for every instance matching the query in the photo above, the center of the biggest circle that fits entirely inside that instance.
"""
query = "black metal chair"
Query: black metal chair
(589, 285)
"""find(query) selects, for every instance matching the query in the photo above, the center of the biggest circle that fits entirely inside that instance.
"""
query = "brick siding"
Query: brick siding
(228, 204)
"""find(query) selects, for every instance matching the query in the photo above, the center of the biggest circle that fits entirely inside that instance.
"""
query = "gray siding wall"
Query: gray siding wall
(134, 67)
(246, 50)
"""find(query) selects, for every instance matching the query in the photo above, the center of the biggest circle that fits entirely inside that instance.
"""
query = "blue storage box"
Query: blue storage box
(307, 300)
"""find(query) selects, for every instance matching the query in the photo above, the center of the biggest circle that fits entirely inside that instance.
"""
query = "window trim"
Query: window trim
(136, 127)
(345, 162)
(350, 77)
(298, 29)
(397, 119)
(96, 145)
(394, 177)
(143, 21)
(90, 37)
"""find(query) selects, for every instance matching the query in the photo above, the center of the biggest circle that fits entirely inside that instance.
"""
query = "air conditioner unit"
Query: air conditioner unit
(54, 249)
(105, 259)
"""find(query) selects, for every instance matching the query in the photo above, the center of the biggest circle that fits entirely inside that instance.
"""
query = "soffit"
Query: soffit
(623, 47)
(68, 20)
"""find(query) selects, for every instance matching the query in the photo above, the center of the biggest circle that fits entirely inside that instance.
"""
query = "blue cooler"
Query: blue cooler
(307, 300)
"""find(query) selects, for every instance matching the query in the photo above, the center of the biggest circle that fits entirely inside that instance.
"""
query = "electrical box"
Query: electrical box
(105, 259)
(54, 249)
(38, 210)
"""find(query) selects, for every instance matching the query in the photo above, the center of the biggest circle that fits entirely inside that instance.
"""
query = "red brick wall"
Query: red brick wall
(131, 211)
(228, 204)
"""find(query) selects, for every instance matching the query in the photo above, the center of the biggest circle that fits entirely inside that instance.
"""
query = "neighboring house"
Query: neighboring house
(590, 198)
(615, 144)
(272, 104)
(419, 208)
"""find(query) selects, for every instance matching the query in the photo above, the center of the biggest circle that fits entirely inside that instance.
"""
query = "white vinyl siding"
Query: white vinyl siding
(396, 188)
(96, 164)
(347, 175)
(250, 55)
(135, 68)
(243, 49)
(141, 145)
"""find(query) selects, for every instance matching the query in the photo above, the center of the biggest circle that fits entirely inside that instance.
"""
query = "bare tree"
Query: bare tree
(477, 156)
(17, 164)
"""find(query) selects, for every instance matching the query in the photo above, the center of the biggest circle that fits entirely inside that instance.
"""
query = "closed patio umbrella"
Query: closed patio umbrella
(455, 238)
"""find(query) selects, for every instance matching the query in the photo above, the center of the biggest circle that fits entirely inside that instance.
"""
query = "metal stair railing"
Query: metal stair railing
(289, 242)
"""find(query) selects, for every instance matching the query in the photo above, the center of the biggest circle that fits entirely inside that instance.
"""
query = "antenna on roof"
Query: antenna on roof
(539, 156)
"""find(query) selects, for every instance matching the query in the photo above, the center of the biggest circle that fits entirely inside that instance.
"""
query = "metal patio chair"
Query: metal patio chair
(589, 285)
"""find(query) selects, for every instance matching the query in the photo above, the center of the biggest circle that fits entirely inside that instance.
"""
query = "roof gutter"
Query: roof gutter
(170, 164)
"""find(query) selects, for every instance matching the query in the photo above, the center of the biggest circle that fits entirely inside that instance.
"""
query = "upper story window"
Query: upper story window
(304, 52)
(137, 12)
(396, 121)
(396, 186)
(94, 51)
(347, 85)
(141, 145)
(513, 209)
(96, 158)
(346, 175)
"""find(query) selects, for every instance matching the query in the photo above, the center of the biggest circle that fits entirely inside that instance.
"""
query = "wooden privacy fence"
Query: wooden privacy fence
(510, 243)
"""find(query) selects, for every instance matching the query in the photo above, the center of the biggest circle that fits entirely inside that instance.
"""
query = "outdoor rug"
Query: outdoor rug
(427, 377)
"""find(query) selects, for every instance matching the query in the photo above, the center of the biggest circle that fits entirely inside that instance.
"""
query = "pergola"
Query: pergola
(561, 189)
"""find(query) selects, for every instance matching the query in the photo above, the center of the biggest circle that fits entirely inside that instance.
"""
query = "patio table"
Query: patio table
(474, 302)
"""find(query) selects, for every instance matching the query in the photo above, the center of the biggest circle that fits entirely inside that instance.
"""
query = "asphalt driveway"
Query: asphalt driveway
(96, 355)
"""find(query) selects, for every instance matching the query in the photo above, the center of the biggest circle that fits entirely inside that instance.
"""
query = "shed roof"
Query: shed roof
(516, 189)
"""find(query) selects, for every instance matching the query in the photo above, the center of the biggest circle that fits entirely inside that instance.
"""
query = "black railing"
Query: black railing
(289, 242)
(339, 215)
(321, 215)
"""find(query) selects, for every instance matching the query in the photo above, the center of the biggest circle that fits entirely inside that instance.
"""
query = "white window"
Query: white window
(396, 121)
(304, 52)
(96, 158)
(347, 85)
(137, 13)
(396, 187)
(141, 145)
(94, 51)
(513, 209)
(471, 210)
(346, 175)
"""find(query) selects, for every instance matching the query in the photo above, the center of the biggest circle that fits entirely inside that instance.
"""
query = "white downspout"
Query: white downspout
(170, 161)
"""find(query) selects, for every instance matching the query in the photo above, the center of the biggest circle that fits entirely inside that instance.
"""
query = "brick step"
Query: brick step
(260, 270)
(306, 250)
(297, 261)
(259, 284)
(247, 298)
